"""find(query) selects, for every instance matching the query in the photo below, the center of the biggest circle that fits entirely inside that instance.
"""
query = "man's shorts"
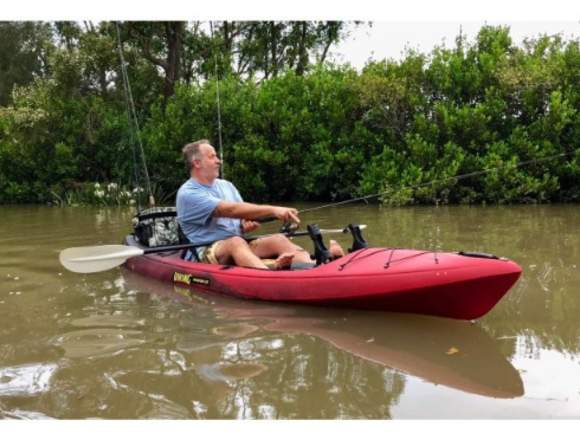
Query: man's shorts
(206, 254)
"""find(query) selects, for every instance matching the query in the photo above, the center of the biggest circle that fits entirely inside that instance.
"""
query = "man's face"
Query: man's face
(209, 164)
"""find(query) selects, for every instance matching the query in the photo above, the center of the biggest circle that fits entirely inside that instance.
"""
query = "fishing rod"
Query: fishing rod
(133, 121)
(433, 182)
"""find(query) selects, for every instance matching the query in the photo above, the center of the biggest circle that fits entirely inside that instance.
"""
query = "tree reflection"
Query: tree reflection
(304, 380)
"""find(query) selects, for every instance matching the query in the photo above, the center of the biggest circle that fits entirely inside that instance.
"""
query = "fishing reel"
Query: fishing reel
(289, 228)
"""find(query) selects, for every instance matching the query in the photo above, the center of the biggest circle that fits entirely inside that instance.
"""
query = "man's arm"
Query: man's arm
(251, 211)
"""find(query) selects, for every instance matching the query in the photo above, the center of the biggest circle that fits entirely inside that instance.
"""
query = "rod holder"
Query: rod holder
(321, 253)
(358, 242)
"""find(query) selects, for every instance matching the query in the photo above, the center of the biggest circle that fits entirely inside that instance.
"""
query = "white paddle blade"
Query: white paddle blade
(92, 259)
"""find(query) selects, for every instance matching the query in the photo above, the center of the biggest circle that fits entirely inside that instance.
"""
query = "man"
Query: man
(211, 210)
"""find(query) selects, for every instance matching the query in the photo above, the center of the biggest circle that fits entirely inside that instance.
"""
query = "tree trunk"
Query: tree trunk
(174, 34)
(302, 51)
(187, 66)
(228, 28)
(273, 47)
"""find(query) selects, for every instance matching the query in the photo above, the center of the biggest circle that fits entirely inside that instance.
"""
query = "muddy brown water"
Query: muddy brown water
(116, 345)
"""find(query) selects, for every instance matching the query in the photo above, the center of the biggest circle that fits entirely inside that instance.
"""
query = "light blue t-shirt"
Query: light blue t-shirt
(195, 204)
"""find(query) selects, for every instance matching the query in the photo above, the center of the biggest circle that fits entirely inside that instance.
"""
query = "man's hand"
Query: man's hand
(286, 214)
(249, 226)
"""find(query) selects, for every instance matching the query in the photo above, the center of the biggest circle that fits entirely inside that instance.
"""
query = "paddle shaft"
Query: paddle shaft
(178, 247)
(100, 258)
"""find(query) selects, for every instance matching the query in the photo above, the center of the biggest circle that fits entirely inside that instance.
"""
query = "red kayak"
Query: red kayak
(449, 284)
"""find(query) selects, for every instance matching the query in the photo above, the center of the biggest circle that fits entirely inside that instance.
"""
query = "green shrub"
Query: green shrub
(401, 130)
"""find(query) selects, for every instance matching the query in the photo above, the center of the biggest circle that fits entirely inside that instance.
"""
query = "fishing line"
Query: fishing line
(132, 115)
(219, 116)
(433, 182)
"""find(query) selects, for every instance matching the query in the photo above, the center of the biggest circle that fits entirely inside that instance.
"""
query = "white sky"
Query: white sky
(418, 24)
(389, 39)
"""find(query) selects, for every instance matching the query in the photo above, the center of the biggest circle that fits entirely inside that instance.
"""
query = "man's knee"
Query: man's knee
(235, 242)
(229, 248)
(280, 239)
(284, 244)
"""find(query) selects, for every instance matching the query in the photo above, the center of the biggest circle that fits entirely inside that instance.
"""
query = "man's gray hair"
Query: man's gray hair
(191, 152)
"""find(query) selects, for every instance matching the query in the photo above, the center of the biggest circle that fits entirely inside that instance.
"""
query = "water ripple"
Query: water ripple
(26, 380)
(97, 342)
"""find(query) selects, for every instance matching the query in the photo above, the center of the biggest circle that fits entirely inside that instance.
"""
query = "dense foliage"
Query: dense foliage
(306, 130)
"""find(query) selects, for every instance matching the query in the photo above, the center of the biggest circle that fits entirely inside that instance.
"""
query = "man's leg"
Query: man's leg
(278, 245)
(271, 247)
(236, 250)
(335, 249)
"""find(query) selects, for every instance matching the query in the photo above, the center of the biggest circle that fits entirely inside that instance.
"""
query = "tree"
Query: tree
(24, 52)
(162, 44)
(265, 49)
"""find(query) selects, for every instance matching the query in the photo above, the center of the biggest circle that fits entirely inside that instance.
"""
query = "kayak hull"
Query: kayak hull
(399, 280)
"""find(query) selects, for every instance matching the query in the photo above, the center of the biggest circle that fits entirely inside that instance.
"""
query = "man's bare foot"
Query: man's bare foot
(284, 261)
(335, 249)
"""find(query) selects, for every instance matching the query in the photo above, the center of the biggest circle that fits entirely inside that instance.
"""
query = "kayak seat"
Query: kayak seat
(186, 254)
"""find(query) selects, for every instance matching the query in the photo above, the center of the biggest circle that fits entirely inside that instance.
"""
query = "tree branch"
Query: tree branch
(145, 48)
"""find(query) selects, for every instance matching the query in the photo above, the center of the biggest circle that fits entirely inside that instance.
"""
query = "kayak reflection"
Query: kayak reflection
(456, 354)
